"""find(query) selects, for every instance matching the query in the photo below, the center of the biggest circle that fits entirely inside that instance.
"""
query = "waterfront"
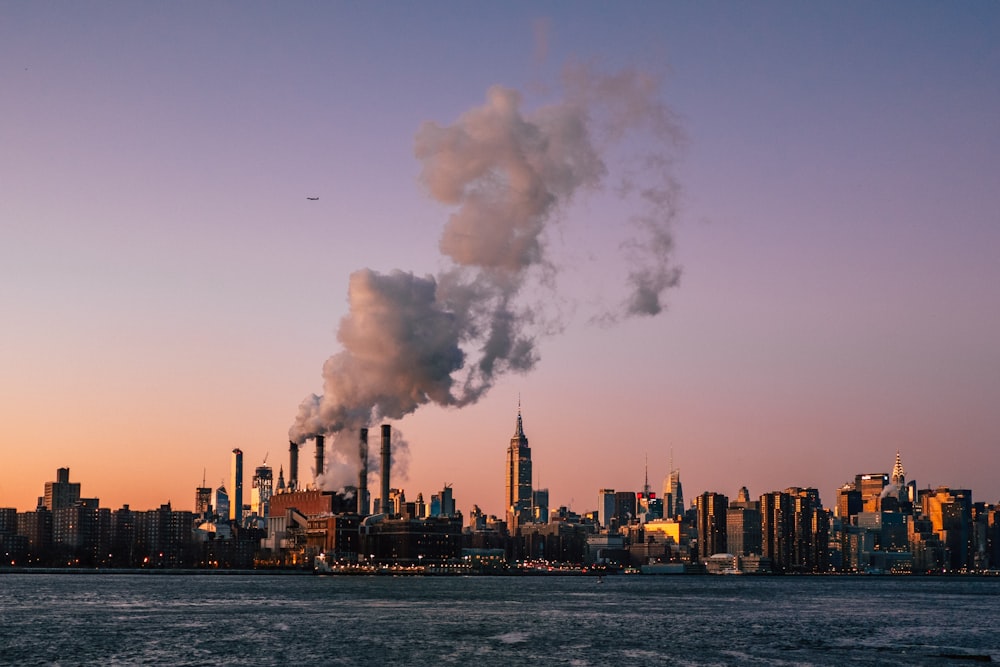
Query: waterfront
(620, 620)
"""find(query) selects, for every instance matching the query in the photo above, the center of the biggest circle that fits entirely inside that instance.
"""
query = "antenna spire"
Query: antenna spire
(645, 486)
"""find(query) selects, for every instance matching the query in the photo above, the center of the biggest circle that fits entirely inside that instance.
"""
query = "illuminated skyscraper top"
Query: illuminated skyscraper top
(673, 493)
(898, 474)
(518, 496)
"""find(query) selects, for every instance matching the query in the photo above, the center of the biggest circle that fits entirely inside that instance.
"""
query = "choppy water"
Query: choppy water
(641, 620)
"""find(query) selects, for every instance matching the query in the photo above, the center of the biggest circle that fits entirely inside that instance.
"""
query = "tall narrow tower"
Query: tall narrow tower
(518, 499)
(263, 489)
(202, 497)
(898, 474)
(386, 465)
(236, 486)
(673, 493)
(320, 445)
(363, 473)
(293, 466)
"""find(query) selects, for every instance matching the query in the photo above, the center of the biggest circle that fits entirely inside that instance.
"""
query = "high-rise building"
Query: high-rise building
(777, 528)
(743, 523)
(447, 501)
(202, 499)
(606, 507)
(950, 514)
(795, 530)
(905, 493)
(236, 486)
(673, 495)
(626, 507)
(870, 487)
(263, 489)
(61, 493)
(540, 505)
(848, 502)
(712, 508)
(221, 503)
(518, 495)
(898, 477)
(810, 550)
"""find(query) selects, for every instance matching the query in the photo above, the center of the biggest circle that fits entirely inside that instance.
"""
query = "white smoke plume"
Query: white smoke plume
(342, 464)
(509, 174)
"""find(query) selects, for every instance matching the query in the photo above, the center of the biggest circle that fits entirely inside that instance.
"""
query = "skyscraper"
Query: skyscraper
(898, 474)
(870, 486)
(202, 499)
(518, 498)
(712, 526)
(221, 503)
(950, 514)
(795, 530)
(606, 507)
(263, 489)
(540, 505)
(743, 525)
(236, 486)
(673, 495)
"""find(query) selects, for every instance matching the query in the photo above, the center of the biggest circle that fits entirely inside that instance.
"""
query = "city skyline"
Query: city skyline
(191, 189)
(893, 476)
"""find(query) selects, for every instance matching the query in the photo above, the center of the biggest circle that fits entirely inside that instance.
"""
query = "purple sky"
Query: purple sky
(169, 293)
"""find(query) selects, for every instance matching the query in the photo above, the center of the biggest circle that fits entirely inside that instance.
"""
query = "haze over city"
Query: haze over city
(191, 191)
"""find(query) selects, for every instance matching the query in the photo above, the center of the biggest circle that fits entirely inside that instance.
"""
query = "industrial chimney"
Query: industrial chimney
(319, 457)
(363, 475)
(293, 466)
(386, 446)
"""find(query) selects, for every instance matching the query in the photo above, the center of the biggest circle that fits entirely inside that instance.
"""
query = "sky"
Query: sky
(809, 193)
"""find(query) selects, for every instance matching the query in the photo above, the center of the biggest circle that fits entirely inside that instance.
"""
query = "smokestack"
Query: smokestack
(363, 475)
(293, 465)
(386, 445)
(319, 456)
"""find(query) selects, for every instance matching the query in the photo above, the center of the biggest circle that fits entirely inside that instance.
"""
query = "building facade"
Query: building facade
(518, 478)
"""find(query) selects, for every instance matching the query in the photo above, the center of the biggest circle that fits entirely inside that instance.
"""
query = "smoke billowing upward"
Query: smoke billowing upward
(341, 468)
(509, 174)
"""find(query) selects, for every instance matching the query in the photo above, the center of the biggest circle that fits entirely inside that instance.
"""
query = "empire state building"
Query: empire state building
(518, 478)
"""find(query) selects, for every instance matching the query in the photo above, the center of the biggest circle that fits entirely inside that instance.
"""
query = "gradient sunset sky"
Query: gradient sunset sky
(169, 292)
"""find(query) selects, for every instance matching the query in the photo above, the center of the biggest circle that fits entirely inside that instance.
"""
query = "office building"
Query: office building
(743, 525)
(950, 514)
(606, 508)
(870, 487)
(221, 503)
(518, 478)
(263, 489)
(712, 508)
(540, 505)
(673, 495)
(202, 500)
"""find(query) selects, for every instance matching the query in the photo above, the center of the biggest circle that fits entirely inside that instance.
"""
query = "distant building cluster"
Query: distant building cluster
(880, 523)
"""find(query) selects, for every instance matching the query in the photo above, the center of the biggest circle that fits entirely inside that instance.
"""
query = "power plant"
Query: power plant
(339, 524)
(312, 497)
